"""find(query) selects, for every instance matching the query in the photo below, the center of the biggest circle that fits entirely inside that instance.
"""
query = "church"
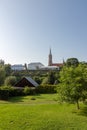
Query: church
(38, 65)
(50, 62)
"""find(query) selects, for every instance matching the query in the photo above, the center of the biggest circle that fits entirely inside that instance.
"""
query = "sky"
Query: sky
(29, 28)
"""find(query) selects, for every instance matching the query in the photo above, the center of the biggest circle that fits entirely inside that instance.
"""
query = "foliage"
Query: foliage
(45, 81)
(46, 88)
(8, 91)
(10, 80)
(16, 74)
(50, 79)
(4, 93)
(72, 62)
(7, 68)
(2, 62)
(73, 83)
(38, 79)
(2, 75)
(38, 75)
(26, 90)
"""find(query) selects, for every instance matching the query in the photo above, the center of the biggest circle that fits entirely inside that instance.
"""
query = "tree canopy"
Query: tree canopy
(10, 80)
(2, 75)
(50, 79)
(72, 62)
(73, 82)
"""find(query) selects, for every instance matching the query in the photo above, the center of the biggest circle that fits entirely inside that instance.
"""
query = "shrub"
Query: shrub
(26, 90)
(33, 98)
(2, 75)
(15, 92)
(10, 80)
(46, 89)
(4, 93)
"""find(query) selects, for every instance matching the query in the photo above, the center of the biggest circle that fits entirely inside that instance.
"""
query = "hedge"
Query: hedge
(6, 92)
(46, 88)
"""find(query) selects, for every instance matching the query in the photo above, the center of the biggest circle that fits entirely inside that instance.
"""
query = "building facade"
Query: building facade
(17, 67)
(35, 66)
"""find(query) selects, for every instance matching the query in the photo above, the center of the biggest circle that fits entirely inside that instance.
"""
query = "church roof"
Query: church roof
(57, 64)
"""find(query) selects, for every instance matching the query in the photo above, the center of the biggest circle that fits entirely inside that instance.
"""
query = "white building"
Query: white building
(50, 68)
(35, 66)
(18, 67)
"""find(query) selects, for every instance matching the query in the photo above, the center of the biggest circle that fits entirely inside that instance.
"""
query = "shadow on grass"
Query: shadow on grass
(19, 99)
(83, 111)
(16, 99)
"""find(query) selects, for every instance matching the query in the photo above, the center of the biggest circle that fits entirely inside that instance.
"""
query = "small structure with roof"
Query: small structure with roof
(26, 81)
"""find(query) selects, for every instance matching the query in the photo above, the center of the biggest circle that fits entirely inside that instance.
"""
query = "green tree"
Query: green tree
(45, 80)
(26, 90)
(72, 62)
(73, 82)
(2, 62)
(37, 79)
(10, 80)
(2, 75)
(7, 68)
(50, 79)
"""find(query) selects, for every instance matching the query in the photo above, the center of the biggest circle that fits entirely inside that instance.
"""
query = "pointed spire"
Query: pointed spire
(50, 58)
(50, 51)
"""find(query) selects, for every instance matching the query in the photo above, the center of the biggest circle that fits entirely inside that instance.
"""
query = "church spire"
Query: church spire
(50, 52)
(50, 58)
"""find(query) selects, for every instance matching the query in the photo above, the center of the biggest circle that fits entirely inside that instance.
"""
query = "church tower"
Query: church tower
(50, 58)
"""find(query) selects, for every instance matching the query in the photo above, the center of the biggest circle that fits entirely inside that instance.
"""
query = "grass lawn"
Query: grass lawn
(41, 112)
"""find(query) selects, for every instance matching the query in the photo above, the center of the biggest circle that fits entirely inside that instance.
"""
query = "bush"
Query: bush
(2, 75)
(33, 98)
(46, 89)
(10, 80)
(15, 92)
(26, 90)
(6, 92)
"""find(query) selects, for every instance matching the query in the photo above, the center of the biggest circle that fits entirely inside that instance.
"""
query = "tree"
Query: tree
(2, 75)
(50, 79)
(45, 80)
(26, 90)
(2, 62)
(10, 80)
(37, 79)
(73, 82)
(7, 68)
(72, 62)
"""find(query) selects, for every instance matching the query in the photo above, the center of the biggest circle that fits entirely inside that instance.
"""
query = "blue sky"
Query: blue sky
(28, 28)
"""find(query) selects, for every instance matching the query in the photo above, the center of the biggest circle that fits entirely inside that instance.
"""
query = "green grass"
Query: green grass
(43, 113)
(36, 99)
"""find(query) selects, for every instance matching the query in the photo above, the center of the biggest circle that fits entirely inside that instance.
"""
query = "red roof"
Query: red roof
(57, 64)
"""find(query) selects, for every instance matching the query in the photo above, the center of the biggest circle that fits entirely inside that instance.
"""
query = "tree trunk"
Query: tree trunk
(77, 105)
